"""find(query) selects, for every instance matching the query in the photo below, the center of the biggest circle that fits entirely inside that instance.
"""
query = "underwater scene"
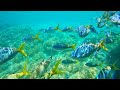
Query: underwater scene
(59, 44)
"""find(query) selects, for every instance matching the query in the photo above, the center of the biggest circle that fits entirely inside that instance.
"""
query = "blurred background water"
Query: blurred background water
(47, 17)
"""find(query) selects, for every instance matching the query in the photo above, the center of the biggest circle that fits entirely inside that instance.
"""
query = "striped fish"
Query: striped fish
(7, 53)
(84, 50)
(87, 49)
(83, 31)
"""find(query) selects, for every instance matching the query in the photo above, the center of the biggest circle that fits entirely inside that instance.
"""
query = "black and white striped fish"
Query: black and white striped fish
(7, 53)
(84, 50)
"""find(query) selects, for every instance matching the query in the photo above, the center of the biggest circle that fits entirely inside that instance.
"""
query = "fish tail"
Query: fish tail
(57, 64)
(101, 45)
(55, 69)
(37, 36)
(73, 46)
(57, 28)
(20, 49)
(24, 71)
(88, 26)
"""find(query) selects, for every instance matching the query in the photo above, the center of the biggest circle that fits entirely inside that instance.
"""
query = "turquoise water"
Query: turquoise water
(47, 17)
(15, 25)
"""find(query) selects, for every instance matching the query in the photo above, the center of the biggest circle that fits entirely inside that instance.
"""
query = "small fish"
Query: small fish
(7, 53)
(92, 64)
(115, 18)
(67, 28)
(67, 61)
(108, 38)
(101, 22)
(92, 28)
(105, 15)
(30, 38)
(49, 29)
(83, 31)
(60, 46)
(27, 38)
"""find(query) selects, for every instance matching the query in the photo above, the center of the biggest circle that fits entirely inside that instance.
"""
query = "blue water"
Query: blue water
(15, 25)
(47, 17)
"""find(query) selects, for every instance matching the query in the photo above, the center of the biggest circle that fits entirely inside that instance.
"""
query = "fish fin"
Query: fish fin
(24, 71)
(36, 36)
(25, 65)
(57, 28)
(73, 46)
(49, 75)
(56, 65)
(101, 45)
(54, 70)
(88, 26)
(20, 49)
